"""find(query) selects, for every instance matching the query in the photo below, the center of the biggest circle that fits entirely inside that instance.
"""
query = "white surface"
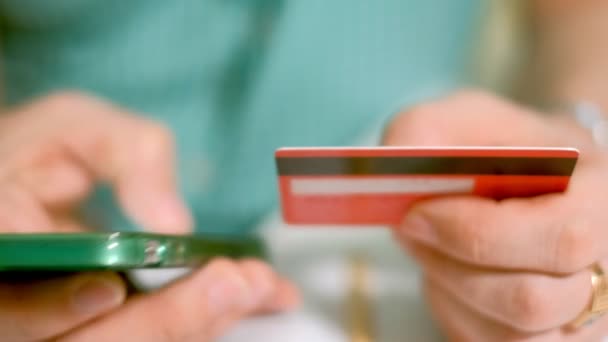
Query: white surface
(380, 185)
(317, 259)
(152, 279)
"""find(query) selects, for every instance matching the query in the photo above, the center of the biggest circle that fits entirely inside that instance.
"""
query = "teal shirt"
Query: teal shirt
(235, 79)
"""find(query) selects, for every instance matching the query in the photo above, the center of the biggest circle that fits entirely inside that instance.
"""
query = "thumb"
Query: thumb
(39, 311)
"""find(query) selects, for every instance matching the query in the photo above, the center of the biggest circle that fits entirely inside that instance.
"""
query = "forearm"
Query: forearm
(568, 57)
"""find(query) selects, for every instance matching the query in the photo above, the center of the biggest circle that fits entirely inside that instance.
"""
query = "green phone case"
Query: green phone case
(117, 251)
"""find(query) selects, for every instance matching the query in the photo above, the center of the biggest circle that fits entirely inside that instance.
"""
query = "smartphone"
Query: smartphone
(122, 251)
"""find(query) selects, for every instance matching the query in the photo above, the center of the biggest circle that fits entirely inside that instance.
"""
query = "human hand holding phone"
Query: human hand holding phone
(52, 153)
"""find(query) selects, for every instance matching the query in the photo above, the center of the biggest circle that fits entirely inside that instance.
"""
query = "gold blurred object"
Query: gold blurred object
(599, 299)
(359, 302)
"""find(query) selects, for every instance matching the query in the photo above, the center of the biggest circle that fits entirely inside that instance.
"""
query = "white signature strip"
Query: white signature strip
(338, 186)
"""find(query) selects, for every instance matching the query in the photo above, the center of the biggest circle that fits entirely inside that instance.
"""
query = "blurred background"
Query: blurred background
(236, 79)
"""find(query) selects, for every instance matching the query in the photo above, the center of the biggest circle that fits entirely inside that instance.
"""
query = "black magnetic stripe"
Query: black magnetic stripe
(291, 166)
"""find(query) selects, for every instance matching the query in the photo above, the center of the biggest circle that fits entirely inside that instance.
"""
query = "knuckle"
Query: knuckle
(222, 266)
(474, 246)
(60, 105)
(178, 322)
(68, 108)
(184, 317)
(472, 236)
(471, 102)
(258, 266)
(155, 134)
(532, 308)
(418, 114)
(230, 272)
(470, 94)
(64, 99)
(413, 124)
(260, 276)
(574, 248)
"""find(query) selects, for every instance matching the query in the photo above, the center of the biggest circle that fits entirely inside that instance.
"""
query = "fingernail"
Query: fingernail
(98, 295)
(172, 215)
(226, 294)
(417, 227)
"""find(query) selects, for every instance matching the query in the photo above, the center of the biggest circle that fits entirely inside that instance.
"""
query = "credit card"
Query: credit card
(376, 185)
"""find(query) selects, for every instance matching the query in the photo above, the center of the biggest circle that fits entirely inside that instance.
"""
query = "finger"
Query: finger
(460, 323)
(130, 153)
(187, 310)
(456, 119)
(544, 233)
(137, 158)
(275, 293)
(57, 183)
(527, 302)
(42, 310)
(286, 298)
(20, 212)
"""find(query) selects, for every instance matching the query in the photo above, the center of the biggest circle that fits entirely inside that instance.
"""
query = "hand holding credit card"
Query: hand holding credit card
(376, 185)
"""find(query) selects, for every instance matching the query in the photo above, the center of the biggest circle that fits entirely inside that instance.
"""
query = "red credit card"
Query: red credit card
(376, 185)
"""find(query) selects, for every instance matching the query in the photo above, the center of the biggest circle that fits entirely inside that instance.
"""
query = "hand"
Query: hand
(52, 152)
(516, 269)
(197, 308)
